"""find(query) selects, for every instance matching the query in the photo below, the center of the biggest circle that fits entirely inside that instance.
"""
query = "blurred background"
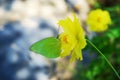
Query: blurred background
(23, 22)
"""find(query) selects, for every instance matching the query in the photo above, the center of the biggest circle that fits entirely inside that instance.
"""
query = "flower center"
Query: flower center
(65, 39)
(98, 19)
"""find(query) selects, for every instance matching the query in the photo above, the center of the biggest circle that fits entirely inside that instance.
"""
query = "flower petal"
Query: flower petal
(67, 26)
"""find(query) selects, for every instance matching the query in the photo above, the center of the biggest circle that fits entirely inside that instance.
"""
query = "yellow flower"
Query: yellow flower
(98, 20)
(72, 39)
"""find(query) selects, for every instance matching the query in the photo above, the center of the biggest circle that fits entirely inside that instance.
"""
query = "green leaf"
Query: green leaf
(114, 33)
(48, 47)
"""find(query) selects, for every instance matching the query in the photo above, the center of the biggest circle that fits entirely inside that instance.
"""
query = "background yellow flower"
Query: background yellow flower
(98, 20)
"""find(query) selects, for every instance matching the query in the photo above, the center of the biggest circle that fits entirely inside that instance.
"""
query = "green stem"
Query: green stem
(104, 58)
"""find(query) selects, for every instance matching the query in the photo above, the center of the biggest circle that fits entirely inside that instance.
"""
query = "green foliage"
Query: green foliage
(109, 43)
(113, 34)
(48, 47)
